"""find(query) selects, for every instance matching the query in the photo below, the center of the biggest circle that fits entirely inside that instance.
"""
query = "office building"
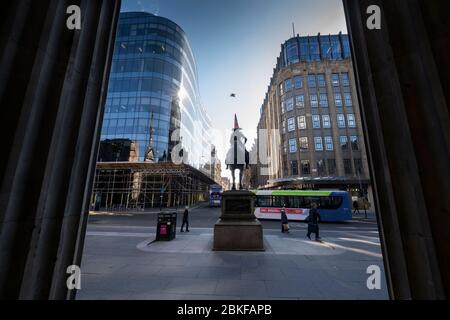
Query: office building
(153, 115)
(312, 119)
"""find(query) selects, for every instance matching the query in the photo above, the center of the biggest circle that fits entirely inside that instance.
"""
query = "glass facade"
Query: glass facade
(316, 48)
(153, 99)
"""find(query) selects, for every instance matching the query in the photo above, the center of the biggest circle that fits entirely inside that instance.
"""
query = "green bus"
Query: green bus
(333, 205)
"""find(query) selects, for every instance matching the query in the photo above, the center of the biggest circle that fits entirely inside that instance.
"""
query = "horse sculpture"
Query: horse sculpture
(237, 157)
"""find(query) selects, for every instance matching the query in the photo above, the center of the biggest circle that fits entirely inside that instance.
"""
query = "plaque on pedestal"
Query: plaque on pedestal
(238, 229)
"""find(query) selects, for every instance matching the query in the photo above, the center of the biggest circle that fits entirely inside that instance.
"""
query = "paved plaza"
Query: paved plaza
(122, 261)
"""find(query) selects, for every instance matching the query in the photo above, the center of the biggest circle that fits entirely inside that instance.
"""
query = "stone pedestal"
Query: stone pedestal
(238, 229)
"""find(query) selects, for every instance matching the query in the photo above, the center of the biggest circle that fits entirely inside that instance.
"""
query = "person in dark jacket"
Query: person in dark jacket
(185, 220)
(284, 221)
(355, 207)
(313, 224)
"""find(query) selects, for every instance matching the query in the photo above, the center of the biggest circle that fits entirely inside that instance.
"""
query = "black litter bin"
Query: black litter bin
(167, 226)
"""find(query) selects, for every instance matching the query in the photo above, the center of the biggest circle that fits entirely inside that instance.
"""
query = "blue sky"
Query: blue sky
(236, 44)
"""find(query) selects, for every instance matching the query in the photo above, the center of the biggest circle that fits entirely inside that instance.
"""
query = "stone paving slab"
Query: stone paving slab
(119, 264)
(191, 286)
(242, 288)
(274, 244)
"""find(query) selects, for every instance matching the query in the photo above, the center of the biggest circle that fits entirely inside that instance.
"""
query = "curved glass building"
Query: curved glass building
(153, 102)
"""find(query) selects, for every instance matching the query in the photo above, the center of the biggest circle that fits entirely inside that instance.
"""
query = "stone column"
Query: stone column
(53, 83)
(403, 74)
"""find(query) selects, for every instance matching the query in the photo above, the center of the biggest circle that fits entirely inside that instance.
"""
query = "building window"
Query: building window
(306, 169)
(344, 142)
(346, 46)
(331, 166)
(301, 122)
(354, 142)
(290, 104)
(338, 100)
(326, 121)
(287, 85)
(348, 166)
(345, 79)
(348, 99)
(323, 100)
(303, 143)
(314, 48)
(336, 47)
(335, 79)
(292, 51)
(283, 125)
(341, 120)
(351, 120)
(313, 100)
(304, 49)
(133, 31)
(311, 81)
(321, 80)
(300, 101)
(321, 170)
(292, 145)
(291, 124)
(328, 143)
(283, 107)
(285, 147)
(281, 89)
(325, 46)
(358, 165)
(318, 143)
(316, 121)
(294, 167)
(298, 81)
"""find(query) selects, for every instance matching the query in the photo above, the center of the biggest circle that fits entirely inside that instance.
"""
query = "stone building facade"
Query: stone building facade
(310, 119)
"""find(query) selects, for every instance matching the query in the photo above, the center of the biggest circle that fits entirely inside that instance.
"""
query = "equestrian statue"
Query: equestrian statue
(237, 157)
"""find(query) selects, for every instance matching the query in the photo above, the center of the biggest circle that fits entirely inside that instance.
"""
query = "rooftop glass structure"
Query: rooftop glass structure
(315, 48)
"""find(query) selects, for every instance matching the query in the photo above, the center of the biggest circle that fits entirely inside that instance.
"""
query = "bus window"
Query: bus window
(278, 201)
(287, 201)
(302, 202)
(294, 202)
(330, 203)
(308, 201)
(263, 201)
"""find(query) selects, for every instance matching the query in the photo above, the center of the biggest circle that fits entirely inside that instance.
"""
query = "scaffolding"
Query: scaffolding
(137, 186)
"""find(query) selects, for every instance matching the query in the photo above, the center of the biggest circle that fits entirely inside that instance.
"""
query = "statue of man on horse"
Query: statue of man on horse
(237, 157)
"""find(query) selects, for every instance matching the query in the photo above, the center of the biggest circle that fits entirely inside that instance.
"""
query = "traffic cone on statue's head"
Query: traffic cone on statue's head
(236, 124)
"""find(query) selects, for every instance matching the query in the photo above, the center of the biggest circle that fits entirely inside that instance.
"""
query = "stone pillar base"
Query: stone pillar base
(238, 235)
(238, 229)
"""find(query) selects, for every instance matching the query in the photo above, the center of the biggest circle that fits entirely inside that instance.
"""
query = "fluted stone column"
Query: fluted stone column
(53, 84)
(403, 72)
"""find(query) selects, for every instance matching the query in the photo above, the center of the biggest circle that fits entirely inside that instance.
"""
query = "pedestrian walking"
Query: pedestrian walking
(366, 206)
(313, 223)
(284, 221)
(355, 207)
(185, 219)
